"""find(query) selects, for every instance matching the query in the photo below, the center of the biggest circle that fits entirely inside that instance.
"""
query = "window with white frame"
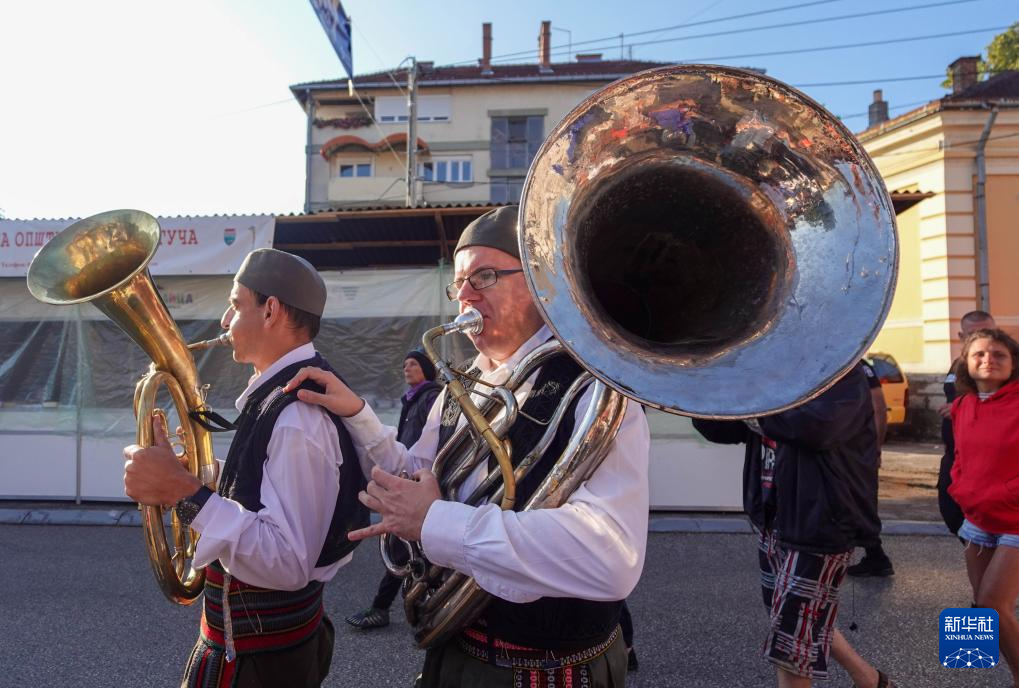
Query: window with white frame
(389, 109)
(452, 170)
(354, 169)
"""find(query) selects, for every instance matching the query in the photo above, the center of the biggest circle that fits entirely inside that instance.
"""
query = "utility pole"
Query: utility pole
(309, 151)
(412, 132)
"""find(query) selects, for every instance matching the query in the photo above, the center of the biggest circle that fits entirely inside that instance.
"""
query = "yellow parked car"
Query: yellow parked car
(894, 385)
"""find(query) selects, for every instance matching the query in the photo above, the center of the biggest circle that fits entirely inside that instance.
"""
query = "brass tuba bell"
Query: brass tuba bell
(104, 260)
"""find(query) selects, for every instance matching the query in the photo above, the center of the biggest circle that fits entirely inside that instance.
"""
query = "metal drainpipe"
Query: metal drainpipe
(308, 152)
(983, 271)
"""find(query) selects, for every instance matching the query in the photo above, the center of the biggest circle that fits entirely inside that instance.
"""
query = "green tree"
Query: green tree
(1003, 51)
(1002, 54)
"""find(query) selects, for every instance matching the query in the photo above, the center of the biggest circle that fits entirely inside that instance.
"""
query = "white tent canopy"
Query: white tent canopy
(67, 374)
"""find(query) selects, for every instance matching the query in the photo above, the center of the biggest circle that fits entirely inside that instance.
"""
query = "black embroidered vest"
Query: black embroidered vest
(242, 473)
(551, 623)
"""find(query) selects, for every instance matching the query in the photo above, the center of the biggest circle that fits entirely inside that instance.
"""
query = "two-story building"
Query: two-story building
(478, 128)
(952, 167)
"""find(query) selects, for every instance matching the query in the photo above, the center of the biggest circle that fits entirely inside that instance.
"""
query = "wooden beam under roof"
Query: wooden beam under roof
(354, 245)
(330, 216)
(440, 227)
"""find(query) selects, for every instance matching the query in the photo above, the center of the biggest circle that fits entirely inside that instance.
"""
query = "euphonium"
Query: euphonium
(104, 260)
(704, 240)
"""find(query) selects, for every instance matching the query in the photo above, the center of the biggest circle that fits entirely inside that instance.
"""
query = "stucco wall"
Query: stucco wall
(902, 334)
(938, 265)
(1003, 248)
(467, 133)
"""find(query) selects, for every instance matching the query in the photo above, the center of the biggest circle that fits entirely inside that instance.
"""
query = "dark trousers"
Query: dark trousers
(626, 625)
(950, 511)
(303, 666)
(875, 551)
(389, 586)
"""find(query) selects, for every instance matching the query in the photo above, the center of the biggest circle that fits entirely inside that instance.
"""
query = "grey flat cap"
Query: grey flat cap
(291, 279)
(495, 229)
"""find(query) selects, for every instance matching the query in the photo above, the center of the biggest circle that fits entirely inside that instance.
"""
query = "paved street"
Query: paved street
(80, 608)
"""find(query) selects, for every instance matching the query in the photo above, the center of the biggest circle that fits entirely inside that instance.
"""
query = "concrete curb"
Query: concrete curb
(670, 523)
(71, 517)
(737, 524)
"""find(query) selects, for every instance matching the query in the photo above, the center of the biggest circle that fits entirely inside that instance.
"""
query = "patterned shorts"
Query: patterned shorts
(801, 593)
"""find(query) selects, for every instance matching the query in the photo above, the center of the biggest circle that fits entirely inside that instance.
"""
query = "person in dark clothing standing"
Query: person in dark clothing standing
(809, 489)
(875, 560)
(950, 511)
(422, 389)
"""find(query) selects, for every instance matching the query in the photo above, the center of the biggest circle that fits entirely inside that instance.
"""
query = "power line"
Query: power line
(558, 50)
(382, 134)
(379, 58)
(803, 22)
(878, 80)
(253, 108)
(844, 46)
(668, 28)
(903, 106)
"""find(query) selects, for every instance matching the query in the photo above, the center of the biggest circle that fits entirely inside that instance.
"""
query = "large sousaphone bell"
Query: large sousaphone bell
(703, 240)
(709, 241)
(103, 260)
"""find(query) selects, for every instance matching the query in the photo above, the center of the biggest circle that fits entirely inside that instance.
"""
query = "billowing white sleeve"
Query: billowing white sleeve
(277, 546)
(376, 443)
(591, 548)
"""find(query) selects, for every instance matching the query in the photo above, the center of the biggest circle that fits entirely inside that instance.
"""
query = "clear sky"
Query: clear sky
(184, 108)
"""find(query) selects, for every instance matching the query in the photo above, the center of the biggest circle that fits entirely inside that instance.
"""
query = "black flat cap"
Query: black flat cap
(291, 279)
(495, 229)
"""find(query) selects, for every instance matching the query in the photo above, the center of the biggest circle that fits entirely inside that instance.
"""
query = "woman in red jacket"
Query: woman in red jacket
(985, 477)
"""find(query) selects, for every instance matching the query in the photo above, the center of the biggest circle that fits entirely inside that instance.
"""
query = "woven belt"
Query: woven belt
(507, 655)
(251, 619)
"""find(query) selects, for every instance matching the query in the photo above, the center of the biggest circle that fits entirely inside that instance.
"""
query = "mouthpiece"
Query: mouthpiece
(221, 340)
(468, 322)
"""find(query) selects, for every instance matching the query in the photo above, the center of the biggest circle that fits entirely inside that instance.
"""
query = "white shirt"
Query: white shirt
(590, 548)
(277, 547)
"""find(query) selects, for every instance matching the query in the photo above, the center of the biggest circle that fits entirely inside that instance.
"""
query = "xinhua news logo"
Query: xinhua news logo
(969, 638)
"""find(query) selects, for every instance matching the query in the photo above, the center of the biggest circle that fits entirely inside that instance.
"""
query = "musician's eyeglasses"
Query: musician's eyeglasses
(481, 279)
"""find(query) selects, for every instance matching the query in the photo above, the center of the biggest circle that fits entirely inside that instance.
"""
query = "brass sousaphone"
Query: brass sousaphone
(104, 260)
(704, 240)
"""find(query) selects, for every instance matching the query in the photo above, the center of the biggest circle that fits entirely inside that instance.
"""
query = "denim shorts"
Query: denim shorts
(975, 535)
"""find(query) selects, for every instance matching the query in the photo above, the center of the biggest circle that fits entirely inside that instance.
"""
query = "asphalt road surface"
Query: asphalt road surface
(79, 607)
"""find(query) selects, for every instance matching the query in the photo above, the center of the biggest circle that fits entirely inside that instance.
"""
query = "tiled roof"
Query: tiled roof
(1000, 87)
(595, 70)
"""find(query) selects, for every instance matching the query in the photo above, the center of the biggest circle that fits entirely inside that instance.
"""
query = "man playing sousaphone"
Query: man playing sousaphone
(557, 575)
(266, 538)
